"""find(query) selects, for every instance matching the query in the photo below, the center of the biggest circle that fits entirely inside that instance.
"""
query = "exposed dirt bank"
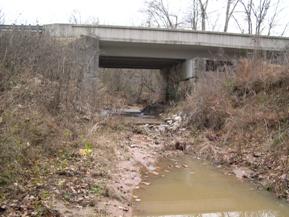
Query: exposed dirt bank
(146, 143)
(97, 177)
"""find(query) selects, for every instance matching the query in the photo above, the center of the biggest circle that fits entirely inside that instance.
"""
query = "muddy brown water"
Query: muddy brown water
(192, 188)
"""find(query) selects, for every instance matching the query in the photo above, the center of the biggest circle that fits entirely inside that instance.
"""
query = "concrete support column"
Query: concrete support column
(180, 79)
(172, 77)
(187, 69)
(189, 72)
(87, 51)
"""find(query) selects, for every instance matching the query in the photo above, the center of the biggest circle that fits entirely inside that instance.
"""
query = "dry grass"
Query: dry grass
(59, 66)
(246, 111)
(208, 106)
(220, 96)
(42, 109)
(48, 130)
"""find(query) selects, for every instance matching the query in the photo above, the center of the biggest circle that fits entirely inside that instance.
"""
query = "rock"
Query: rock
(180, 146)
(178, 118)
(3, 208)
(257, 154)
(37, 81)
(67, 173)
(19, 187)
(86, 118)
(185, 166)
(284, 177)
(162, 128)
(104, 113)
(146, 183)
(170, 122)
(243, 172)
(155, 173)
(123, 208)
(112, 192)
(156, 142)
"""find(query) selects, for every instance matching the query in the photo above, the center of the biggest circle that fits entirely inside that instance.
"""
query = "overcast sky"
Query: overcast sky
(125, 12)
(112, 12)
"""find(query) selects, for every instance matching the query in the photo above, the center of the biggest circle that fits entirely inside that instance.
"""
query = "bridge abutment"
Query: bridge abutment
(180, 79)
(87, 51)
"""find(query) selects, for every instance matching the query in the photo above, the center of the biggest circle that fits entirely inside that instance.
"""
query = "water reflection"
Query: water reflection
(259, 213)
(198, 190)
(228, 214)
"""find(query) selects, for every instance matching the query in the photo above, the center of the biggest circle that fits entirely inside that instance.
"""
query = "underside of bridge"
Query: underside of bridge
(173, 70)
(177, 68)
(137, 62)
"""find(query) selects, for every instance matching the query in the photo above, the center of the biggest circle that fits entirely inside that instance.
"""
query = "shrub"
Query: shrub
(41, 89)
(59, 66)
(219, 97)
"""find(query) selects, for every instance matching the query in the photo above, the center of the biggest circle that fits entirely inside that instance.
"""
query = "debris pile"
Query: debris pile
(170, 124)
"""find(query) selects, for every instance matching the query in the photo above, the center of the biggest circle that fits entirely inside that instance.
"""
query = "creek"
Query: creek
(193, 188)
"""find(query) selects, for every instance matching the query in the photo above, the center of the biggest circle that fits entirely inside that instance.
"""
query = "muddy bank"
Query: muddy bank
(137, 148)
(140, 153)
(265, 168)
(137, 152)
(99, 179)
(147, 143)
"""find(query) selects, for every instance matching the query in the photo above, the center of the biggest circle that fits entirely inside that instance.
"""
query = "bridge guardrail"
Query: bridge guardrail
(32, 28)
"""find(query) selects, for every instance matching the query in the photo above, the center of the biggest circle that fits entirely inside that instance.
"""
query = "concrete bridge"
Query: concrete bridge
(152, 48)
(179, 54)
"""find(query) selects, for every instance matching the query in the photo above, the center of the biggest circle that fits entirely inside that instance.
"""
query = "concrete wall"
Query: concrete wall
(87, 49)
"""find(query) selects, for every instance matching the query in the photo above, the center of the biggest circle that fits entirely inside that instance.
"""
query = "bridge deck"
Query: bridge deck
(119, 34)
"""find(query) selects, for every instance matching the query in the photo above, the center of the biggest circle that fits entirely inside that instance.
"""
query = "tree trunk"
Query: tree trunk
(227, 15)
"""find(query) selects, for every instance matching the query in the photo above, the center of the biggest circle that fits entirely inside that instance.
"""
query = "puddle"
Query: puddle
(150, 111)
(134, 115)
(193, 188)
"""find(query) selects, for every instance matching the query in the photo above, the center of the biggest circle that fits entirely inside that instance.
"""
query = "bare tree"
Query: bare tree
(284, 29)
(75, 17)
(92, 21)
(260, 12)
(247, 6)
(213, 25)
(203, 9)
(230, 8)
(239, 25)
(194, 15)
(256, 14)
(272, 20)
(158, 14)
